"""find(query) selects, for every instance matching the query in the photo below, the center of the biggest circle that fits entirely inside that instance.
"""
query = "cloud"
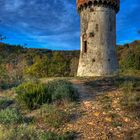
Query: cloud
(128, 21)
(55, 23)
(12, 5)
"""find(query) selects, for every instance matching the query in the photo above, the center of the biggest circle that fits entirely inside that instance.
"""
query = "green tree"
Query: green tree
(58, 65)
(131, 60)
(73, 66)
(39, 68)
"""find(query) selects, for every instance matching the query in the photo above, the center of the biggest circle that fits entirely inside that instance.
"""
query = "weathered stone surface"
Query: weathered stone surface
(114, 4)
(98, 41)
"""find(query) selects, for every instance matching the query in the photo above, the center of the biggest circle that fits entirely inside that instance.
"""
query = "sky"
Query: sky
(55, 24)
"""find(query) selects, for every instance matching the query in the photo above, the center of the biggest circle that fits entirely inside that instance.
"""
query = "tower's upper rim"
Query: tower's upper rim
(114, 3)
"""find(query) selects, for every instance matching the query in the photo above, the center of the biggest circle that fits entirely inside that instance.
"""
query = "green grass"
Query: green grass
(31, 133)
(10, 116)
(31, 95)
(130, 100)
(54, 116)
(4, 103)
(62, 90)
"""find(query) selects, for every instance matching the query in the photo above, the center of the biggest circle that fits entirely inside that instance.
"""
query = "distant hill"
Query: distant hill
(7, 50)
(45, 62)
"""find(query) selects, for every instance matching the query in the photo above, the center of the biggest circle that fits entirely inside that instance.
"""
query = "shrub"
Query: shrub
(9, 79)
(38, 69)
(10, 116)
(31, 133)
(62, 90)
(58, 65)
(31, 95)
(131, 59)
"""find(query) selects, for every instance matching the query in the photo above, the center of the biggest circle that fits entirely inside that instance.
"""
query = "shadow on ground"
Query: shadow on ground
(108, 84)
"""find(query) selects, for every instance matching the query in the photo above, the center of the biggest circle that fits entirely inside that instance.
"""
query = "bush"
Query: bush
(9, 79)
(31, 133)
(131, 59)
(62, 90)
(10, 116)
(38, 69)
(31, 95)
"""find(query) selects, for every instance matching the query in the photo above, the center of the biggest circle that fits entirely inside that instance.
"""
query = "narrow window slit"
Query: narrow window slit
(85, 46)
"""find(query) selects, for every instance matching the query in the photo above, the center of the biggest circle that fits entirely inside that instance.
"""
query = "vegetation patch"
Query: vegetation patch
(131, 98)
(117, 124)
(55, 116)
(10, 116)
(31, 133)
(4, 103)
(31, 95)
(62, 90)
(132, 135)
(131, 59)
(106, 102)
(9, 77)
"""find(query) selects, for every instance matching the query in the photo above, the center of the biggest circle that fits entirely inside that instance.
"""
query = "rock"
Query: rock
(70, 125)
(87, 104)
(118, 109)
(97, 114)
(90, 123)
(108, 119)
(118, 127)
(104, 113)
(126, 119)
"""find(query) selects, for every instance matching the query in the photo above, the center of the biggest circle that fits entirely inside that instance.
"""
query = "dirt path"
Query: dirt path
(86, 92)
(94, 123)
(89, 126)
(90, 120)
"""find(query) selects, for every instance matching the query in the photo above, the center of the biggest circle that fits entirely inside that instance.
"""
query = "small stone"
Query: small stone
(87, 104)
(97, 114)
(126, 119)
(70, 125)
(119, 127)
(93, 108)
(118, 109)
(90, 123)
(108, 119)
(104, 113)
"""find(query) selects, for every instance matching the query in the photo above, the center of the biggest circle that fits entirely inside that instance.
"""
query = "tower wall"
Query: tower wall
(98, 41)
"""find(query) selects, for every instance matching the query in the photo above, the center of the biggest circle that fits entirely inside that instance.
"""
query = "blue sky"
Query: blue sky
(54, 24)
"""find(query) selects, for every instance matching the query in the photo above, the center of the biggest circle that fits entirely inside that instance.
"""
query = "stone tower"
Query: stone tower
(98, 37)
